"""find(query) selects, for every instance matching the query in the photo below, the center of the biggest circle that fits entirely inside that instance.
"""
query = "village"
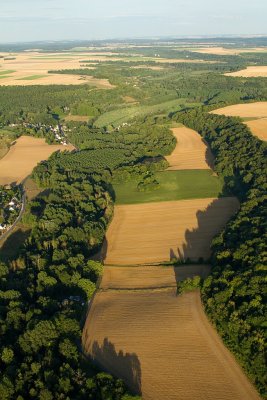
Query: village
(10, 206)
(53, 134)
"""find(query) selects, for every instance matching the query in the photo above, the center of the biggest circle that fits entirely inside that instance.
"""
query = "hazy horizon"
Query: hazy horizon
(59, 20)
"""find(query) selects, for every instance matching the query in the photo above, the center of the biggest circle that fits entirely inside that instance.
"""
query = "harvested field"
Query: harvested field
(157, 232)
(32, 69)
(163, 346)
(250, 72)
(191, 151)
(23, 156)
(248, 110)
(149, 276)
(221, 51)
(258, 127)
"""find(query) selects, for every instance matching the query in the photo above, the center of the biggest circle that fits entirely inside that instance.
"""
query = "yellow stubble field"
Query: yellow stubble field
(23, 156)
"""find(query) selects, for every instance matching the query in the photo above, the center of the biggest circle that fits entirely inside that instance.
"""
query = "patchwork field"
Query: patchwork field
(163, 346)
(157, 232)
(23, 156)
(250, 72)
(191, 152)
(32, 68)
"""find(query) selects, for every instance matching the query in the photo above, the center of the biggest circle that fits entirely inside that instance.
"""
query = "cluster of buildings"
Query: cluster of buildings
(9, 211)
(58, 131)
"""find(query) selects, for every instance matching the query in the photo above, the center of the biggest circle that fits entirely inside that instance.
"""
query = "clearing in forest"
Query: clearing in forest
(162, 345)
(191, 151)
(157, 232)
(250, 72)
(23, 156)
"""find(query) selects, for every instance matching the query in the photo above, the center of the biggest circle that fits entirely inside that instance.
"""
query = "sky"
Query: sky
(33, 20)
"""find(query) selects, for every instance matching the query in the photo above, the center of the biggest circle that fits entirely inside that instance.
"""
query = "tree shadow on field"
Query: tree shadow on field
(125, 366)
(196, 248)
(208, 155)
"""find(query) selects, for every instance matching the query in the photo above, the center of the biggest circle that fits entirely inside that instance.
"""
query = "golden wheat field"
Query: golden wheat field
(191, 152)
(258, 127)
(246, 110)
(157, 232)
(250, 72)
(162, 346)
(138, 277)
(256, 110)
(23, 156)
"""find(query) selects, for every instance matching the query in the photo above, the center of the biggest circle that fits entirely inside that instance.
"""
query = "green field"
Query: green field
(126, 114)
(173, 185)
(31, 77)
(6, 72)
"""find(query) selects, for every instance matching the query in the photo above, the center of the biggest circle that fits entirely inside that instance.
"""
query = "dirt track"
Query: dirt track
(156, 232)
(191, 152)
(23, 156)
(163, 346)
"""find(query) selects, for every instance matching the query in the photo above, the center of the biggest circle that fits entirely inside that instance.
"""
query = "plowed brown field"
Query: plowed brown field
(162, 346)
(23, 156)
(156, 232)
(191, 152)
(149, 276)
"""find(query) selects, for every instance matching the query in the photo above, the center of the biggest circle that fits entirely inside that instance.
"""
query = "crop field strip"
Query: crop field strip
(160, 344)
(191, 151)
(157, 232)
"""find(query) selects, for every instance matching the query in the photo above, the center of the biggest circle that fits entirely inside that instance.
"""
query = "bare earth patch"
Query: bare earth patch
(157, 232)
(23, 156)
(191, 151)
(250, 72)
(163, 346)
